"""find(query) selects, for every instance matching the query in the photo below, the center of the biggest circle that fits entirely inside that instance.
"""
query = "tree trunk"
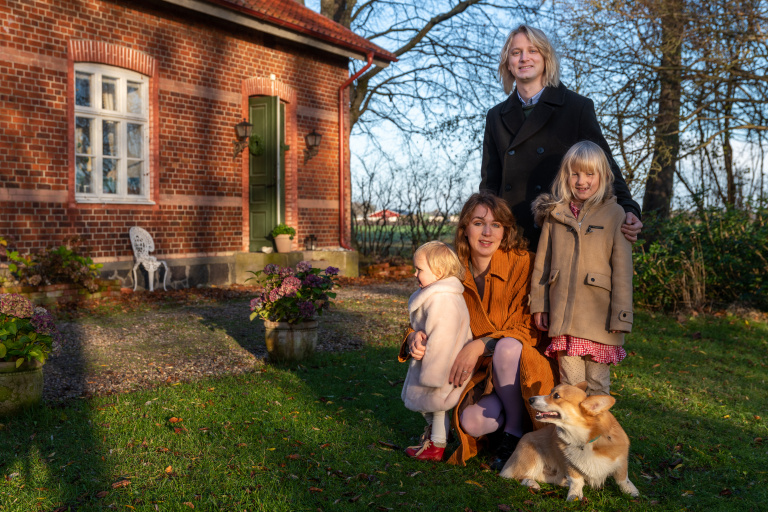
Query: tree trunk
(339, 11)
(666, 147)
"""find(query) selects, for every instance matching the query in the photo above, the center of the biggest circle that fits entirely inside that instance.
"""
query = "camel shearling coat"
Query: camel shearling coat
(440, 311)
(582, 274)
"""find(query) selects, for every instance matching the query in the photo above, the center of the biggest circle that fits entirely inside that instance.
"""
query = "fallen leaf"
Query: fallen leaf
(725, 492)
(326, 445)
(473, 483)
(121, 483)
(169, 470)
(175, 420)
(355, 498)
(102, 494)
(505, 508)
(389, 445)
(315, 489)
(293, 456)
(189, 504)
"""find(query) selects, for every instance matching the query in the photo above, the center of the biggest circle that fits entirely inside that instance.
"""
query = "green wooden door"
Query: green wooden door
(267, 170)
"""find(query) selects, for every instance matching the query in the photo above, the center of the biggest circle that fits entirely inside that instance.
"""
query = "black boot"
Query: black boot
(504, 451)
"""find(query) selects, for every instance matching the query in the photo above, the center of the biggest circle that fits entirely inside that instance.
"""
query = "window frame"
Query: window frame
(98, 115)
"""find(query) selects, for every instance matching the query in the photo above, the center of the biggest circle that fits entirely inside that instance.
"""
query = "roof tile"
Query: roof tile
(293, 16)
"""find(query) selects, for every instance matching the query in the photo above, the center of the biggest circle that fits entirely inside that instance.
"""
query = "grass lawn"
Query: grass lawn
(328, 435)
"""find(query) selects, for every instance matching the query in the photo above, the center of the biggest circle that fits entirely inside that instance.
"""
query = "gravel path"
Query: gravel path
(148, 340)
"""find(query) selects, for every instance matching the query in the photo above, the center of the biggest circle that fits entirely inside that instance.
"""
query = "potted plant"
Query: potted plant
(28, 335)
(289, 304)
(283, 234)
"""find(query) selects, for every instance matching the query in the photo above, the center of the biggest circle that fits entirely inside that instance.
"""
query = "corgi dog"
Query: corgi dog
(583, 443)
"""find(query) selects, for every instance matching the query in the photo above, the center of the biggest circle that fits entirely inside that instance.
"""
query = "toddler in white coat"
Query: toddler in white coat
(438, 309)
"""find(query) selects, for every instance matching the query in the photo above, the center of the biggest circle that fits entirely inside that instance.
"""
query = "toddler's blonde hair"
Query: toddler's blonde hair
(584, 155)
(442, 260)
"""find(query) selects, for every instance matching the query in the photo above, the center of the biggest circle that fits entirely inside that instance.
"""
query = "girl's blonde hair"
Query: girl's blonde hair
(513, 234)
(583, 156)
(540, 41)
(442, 260)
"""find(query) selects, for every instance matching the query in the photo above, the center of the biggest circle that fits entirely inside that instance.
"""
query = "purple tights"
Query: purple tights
(503, 407)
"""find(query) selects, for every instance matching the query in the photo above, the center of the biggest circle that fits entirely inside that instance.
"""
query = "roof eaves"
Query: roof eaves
(263, 22)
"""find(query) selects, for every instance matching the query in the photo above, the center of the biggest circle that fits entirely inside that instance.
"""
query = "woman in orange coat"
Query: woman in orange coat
(504, 361)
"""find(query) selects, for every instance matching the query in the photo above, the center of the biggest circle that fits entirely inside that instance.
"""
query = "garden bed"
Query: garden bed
(56, 294)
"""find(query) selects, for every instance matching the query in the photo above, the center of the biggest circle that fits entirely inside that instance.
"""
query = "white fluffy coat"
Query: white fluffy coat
(440, 311)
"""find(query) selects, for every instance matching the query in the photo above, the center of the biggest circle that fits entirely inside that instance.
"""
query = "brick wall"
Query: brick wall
(197, 68)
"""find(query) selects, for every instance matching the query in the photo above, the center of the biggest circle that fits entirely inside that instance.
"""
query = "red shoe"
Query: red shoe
(427, 451)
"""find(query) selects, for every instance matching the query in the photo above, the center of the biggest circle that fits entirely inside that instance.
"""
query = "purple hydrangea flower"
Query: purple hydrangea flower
(312, 280)
(306, 309)
(44, 323)
(13, 304)
(257, 303)
(331, 271)
(303, 266)
(290, 286)
(275, 295)
(271, 268)
(284, 272)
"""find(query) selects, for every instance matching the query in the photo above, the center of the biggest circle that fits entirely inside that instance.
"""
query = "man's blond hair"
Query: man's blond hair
(539, 40)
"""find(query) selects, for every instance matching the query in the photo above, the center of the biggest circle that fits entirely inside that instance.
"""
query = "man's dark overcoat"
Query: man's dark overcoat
(521, 156)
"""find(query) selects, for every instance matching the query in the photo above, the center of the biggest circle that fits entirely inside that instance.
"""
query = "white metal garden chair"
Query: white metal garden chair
(142, 244)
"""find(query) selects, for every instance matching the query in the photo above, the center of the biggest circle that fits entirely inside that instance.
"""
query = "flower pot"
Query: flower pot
(20, 387)
(290, 342)
(283, 243)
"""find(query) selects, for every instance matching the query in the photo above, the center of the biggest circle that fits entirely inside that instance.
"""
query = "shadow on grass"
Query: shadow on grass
(36, 449)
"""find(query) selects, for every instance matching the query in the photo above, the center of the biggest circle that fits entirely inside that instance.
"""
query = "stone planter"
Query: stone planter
(283, 243)
(20, 387)
(290, 342)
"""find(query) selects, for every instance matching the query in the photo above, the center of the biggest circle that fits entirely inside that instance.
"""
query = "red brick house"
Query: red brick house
(121, 113)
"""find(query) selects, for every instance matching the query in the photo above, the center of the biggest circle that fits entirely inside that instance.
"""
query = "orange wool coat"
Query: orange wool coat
(503, 312)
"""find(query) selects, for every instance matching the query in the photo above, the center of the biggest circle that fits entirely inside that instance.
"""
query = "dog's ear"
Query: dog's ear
(597, 404)
(582, 386)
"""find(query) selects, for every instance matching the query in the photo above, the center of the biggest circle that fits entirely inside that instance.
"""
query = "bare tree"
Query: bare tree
(448, 54)
(680, 82)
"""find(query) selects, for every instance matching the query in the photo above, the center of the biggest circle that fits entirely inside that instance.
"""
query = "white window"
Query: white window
(111, 135)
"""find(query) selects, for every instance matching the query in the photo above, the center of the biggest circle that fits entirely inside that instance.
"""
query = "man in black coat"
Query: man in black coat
(527, 135)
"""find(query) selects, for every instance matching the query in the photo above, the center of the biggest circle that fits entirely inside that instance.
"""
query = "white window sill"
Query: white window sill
(116, 200)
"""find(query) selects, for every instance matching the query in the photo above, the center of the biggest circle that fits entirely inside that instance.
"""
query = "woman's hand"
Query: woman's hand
(465, 362)
(542, 321)
(417, 344)
(631, 227)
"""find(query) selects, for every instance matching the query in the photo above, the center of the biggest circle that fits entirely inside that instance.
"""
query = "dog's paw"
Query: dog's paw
(629, 488)
(531, 483)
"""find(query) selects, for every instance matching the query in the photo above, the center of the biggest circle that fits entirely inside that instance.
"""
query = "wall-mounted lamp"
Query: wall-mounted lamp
(243, 132)
(309, 243)
(313, 143)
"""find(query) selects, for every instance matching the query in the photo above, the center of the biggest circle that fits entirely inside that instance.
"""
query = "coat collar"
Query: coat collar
(562, 212)
(499, 268)
(447, 285)
(521, 128)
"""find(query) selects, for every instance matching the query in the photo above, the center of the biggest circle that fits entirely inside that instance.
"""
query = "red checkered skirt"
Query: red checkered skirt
(573, 346)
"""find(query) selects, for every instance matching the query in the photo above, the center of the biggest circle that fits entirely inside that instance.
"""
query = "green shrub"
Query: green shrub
(64, 264)
(714, 259)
